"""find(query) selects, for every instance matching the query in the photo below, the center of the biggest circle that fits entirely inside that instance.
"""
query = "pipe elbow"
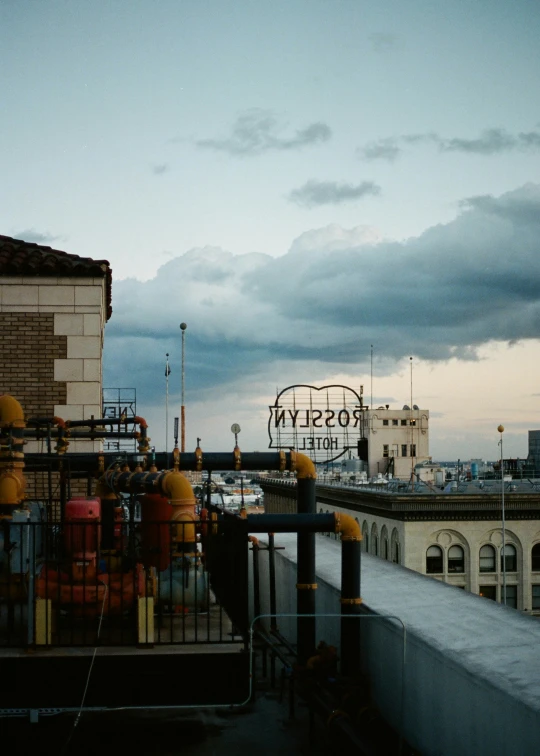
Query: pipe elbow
(11, 411)
(177, 488)
(305, 467)
(140, 421)
(11, 489)
(348, 527)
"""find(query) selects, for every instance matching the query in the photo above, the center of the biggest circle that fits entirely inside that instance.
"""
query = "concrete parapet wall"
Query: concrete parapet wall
(469, 682)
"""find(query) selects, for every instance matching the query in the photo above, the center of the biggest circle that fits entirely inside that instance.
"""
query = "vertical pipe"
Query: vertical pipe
(350, 604)
(183, 327)
(167, 373)
(306, 584)
(501, 429)
(272, 571)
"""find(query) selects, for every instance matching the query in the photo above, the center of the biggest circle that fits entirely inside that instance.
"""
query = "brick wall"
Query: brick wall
(28, 349)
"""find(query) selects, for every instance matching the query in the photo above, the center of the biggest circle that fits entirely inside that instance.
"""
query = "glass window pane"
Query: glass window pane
(535, 555)
(487, 559)
(511, 595)
(536, 597)
(456, 559)
(489, 591)
(510, 558)
(434, 560)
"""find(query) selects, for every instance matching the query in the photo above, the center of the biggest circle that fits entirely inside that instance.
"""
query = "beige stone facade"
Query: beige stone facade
(464, 551)
(398, 440)
(51, 346)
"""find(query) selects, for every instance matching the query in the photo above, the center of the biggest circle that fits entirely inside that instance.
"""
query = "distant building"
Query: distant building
(397, 440)
(454, 536)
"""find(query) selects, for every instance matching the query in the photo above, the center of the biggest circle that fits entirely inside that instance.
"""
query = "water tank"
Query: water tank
(474, 470)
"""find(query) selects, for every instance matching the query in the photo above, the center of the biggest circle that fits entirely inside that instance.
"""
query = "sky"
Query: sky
(320, 189)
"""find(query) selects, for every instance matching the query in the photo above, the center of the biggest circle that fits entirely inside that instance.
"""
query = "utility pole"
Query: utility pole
(183, 327)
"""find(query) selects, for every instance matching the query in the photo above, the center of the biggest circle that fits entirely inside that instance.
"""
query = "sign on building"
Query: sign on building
(324, 423)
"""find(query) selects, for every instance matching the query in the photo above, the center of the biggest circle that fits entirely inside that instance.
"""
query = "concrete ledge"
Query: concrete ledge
(470, 679)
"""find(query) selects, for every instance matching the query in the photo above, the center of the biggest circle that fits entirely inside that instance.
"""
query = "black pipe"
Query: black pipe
(272, 571)
(256, 581)
(37, 433)
(306, 577)
(290, 523)
(350, 606)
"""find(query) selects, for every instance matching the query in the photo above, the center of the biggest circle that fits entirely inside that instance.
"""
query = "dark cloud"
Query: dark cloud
(160, 169)
(37, 237)
(384, 149)
(258, 131)
(315, 193)
(490, 142)
(256, 321)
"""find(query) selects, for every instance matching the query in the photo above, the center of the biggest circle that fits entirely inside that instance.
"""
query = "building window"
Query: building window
(413, 421)
(456, 559)
(536, 598)
(395, 555)
(394, 422)
(385, 549)
(510, 558)
(385, 422)
(489, 591)
(413, 450)
(535, 557)
(487, 559)
(511, 595)
(385, 451)
(434, 560)
(404, 422)
(403, 450)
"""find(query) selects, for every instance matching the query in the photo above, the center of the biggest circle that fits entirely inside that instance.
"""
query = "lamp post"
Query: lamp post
(501, 431)
(183, 327)
(167, 373)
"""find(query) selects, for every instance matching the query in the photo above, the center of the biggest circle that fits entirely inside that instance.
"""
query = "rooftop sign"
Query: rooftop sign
(323, 423)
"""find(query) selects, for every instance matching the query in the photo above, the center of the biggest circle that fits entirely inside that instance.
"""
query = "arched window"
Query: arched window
(487, 559)
(434, 560)
(384, 542)
(365, 536)
(510, 557)
(374, 540)
(456, 559)
(535, 557)
(394, 547)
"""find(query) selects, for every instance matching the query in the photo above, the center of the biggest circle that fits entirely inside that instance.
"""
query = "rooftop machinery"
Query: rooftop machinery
(175, 576)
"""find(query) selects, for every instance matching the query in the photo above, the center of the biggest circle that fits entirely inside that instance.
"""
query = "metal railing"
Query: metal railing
(162, 582)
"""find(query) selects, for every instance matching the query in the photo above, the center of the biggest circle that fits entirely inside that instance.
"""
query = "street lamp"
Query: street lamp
(183, 327)
(501, 431)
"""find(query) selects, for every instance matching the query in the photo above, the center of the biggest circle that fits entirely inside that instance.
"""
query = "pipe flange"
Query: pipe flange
(351, 538)
(351, 601)
(306, 586)
(282, 461)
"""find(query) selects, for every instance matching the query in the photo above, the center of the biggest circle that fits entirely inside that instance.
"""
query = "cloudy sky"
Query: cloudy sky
(297, 180)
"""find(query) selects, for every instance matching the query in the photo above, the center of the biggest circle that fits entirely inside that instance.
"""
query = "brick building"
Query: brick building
(53, 310)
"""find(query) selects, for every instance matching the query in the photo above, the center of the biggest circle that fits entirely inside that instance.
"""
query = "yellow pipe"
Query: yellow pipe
(348, 527)
(304, 466)
(178, 490)
(10, 411)
(12, 479)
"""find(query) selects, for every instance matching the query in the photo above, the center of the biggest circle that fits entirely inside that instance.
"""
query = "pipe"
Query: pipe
(12, 478)
(306, 586)
(351, 540)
